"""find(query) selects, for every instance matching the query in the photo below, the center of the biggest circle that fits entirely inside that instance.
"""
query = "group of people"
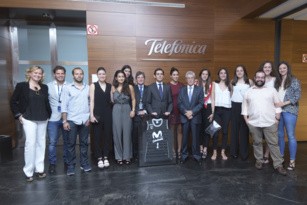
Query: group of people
(264, 107)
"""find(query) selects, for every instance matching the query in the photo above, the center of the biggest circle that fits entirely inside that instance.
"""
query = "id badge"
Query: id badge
(59, 108)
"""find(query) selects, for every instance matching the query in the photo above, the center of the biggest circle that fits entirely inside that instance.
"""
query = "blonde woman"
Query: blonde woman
(30, 105)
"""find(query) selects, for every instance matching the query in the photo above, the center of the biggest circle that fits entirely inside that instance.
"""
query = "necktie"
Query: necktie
(141, 91)
(160, 91)
(190, 93)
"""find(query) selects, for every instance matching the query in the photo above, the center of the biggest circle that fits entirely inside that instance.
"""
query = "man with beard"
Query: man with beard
(55, 91)
(262, 118)
(75, 114)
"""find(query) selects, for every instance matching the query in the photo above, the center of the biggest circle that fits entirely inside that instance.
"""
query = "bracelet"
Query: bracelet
(277, 119)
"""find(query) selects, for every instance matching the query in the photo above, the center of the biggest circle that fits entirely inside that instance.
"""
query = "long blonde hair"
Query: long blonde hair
(32, 69)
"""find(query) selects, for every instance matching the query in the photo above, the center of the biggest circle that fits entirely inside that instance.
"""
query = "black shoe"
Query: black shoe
(235, 156)
(183, 160)
(52, 168)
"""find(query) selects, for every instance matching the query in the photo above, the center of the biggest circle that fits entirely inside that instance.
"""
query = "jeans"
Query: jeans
(83, 132)
(53, 134)
(287, 120)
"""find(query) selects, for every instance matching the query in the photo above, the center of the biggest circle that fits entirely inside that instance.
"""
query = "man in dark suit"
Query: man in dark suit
(159, 102)
(140, 91)
(190, 102)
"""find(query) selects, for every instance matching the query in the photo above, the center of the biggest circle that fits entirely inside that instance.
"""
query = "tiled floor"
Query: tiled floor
(214, 182)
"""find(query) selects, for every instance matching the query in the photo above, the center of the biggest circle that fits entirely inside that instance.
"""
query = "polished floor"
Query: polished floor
(214, 182)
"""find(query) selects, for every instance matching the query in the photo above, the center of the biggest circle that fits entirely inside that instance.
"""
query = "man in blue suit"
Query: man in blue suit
(190, 102)
(159, 102)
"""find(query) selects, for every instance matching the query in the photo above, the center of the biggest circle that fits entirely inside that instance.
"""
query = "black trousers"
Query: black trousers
(239, 132)
(104, 125)
(222, 116)
(205, 137)
(135, 136)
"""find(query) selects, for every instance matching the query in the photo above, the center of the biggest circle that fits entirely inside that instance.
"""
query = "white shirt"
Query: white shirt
(259, 106)
(222, 98)
(54, 99)
(188, 89)
(158, 85)
(238, 92)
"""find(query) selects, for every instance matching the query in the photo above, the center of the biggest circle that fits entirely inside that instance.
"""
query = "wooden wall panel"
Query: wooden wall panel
(113, 24)
(7, 122)
(231, 40)
(293, 45)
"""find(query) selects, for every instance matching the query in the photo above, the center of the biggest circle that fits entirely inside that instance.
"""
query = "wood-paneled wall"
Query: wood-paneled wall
(7, 122)
(231, 40)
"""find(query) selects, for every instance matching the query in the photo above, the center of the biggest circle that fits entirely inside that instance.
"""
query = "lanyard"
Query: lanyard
(60, 92)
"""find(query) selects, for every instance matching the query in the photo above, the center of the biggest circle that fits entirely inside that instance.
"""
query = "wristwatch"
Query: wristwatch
(64, 121)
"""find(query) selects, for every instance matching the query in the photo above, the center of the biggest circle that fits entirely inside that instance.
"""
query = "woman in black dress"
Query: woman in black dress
(101, 116)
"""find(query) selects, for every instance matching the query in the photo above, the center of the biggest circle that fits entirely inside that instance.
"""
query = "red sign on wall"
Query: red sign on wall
(304, 58)
(92, 29)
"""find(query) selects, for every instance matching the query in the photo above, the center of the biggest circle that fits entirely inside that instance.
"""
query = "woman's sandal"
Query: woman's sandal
(106, 162)
(100, 163)
(291, 166)
(41, 174)
(265, 160)
(120, 162)
(204, 155)
(127, 162)
(29, 179)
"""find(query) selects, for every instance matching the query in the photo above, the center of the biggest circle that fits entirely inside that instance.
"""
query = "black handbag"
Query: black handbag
(213, 128)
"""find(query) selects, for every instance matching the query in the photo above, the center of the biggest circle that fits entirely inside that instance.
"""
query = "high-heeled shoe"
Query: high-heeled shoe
(291, 166)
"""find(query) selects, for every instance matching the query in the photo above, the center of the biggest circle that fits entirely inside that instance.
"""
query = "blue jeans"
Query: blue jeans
(287, 120)
(83, 132)
(53, 134)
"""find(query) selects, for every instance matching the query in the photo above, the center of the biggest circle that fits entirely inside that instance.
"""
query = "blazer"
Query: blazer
(154, 102)
(138, 97)
(197, 103)
(20, 98)
(293, 94)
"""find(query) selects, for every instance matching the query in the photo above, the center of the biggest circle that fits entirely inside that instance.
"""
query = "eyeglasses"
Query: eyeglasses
(36, 90)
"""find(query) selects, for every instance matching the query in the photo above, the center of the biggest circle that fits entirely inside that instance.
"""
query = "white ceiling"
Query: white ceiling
(286, 7)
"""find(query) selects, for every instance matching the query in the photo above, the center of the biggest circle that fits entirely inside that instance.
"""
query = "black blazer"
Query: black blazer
(154, 102)
(20, 98)
(138, 97)
(197, 103)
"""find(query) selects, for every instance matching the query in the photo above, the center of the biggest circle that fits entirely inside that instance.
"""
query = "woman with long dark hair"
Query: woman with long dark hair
(239, 130)
(30, 105)
(121, 95)
(221, 91)
(175, 85)
(289, 93)
(208, 109)
(128, 72)
(101, 116)
(268, 68)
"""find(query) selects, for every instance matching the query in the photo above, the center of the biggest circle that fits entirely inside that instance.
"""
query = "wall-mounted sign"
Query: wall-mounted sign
(169, 49)
(304, 58)
(92, 29)
(178, 46)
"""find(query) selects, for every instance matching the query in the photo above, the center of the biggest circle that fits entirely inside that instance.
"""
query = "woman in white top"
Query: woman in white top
(267, 67)
(221, 92)
(239, 130)
(208, 109)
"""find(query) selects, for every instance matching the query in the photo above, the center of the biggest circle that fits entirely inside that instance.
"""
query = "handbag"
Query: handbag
(213, 128)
